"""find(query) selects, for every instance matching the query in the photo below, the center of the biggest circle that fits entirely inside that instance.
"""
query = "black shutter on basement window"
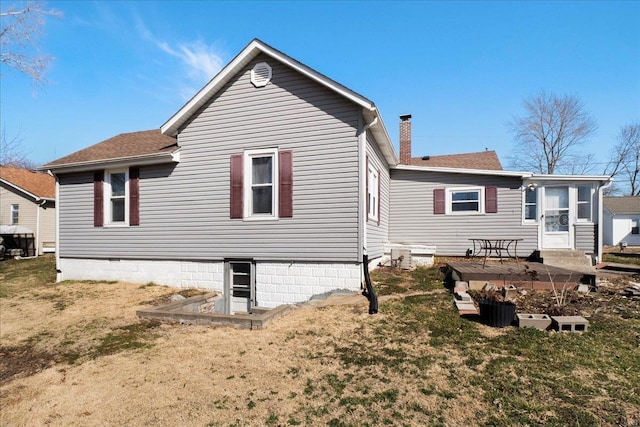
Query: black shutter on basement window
(98, 199)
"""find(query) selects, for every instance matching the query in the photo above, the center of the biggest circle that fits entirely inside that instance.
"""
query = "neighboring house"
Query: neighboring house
(272, 183)
(622, 220)
(27, 207)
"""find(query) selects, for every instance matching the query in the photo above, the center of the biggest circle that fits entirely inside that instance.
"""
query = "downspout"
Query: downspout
(601, 189)
(57, 207)
(369, 292)
(39, 204)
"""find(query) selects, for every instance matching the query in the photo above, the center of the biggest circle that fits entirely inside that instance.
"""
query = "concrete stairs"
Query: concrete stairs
(566, 258)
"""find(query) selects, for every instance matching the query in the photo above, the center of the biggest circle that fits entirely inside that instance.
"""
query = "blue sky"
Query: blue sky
(460, 68)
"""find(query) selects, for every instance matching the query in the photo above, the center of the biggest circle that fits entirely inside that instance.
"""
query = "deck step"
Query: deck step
(566, 258)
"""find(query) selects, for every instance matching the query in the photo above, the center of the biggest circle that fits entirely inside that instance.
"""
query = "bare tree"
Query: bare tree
(625, 160)
(12, 152)
(549, 136)
(20, 29)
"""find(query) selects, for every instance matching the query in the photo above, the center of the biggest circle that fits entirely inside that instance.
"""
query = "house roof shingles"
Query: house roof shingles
(622, 205)
(487, 160)
(39, 184)
(121, 146)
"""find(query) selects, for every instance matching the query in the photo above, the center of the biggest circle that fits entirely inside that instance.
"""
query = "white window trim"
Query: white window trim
(12, 210)
(449, 200)
(373, 186)
(584, 220)
(107, 198)
(248, 194)
(525, 220)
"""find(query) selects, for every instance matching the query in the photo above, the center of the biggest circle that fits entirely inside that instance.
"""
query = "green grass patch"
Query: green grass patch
(388, 280)
(635, 260)
(130, 337)
(19, 275)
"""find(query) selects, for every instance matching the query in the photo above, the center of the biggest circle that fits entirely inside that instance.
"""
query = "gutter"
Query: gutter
(143, 160)
(58, 271)
(39, 205)
(484, 172)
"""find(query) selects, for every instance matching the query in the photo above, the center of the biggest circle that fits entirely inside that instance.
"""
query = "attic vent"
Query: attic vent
(261, 74)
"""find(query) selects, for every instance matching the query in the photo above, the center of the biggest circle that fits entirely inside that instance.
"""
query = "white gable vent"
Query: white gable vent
(261, 74)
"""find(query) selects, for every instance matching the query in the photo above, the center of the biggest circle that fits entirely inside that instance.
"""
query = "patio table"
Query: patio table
(503, 248)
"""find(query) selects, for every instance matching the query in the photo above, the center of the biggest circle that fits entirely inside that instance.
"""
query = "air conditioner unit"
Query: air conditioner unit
(401, 258)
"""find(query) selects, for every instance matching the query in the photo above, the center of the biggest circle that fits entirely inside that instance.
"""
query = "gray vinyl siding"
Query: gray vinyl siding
(378, 235)
(184, 208)
(413, 220)
(585, 235)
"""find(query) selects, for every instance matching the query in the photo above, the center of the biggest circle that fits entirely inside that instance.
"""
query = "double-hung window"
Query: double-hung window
(584, 203)
(465, 200)
(261, 184)
(15, 214)
(116, 197)
(531, 204)
(373, 193)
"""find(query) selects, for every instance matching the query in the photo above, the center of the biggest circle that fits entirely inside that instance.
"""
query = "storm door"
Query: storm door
(556, 219)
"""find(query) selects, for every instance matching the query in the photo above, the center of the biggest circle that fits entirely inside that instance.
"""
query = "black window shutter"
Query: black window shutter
(134, 196)
(491, 199)
(98, 199)
(285, 201)
(236, 176)
(439, 203)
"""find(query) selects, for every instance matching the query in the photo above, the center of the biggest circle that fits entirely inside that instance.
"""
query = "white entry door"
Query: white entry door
(557, 219)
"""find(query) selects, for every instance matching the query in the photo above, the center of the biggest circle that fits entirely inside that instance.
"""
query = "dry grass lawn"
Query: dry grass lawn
(74, 353)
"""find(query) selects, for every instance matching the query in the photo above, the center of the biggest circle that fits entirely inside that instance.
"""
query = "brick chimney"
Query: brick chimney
(405, 139)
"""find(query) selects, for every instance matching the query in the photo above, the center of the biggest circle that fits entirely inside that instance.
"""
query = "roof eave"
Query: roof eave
(142, 160)
(382, 136)
(464, 171)
(545, 177)
(22, 190)
(172, 126)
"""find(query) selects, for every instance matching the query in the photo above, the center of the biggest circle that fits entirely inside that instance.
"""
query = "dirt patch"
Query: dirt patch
(23, 361)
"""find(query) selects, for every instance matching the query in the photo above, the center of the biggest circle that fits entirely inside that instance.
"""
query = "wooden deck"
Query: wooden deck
(523, 274)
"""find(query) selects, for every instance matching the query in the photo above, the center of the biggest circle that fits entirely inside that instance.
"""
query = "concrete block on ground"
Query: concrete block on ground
(461, 286)
(531, 320)
(570, 323)
(583, 289)
(463, 296)
(466, 308)
(509, 292)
